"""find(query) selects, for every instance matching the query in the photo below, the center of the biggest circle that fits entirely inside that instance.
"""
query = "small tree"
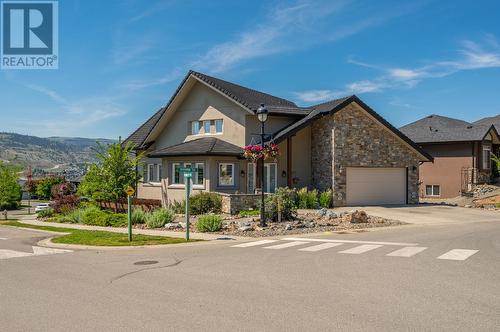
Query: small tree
(10, 190)
(114, 172)
(495, 172)
(44, 186)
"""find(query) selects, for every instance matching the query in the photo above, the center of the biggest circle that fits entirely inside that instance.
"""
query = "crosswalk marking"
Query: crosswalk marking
(252, 244)
(350, 241)
(361, 249)
(286, 245)
(37, 251)
(3, 238)
(406, 251)
(458, 254)
(319, 247)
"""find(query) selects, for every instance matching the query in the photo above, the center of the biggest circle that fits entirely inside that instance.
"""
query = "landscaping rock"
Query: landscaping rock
(173, 225)
(322, 212)
(245, 228)
(182, 224)
(468, 206)
(331, 215)
(310, 225)
(298, 224)
(244, 223)
(357, 217)
(288, 227)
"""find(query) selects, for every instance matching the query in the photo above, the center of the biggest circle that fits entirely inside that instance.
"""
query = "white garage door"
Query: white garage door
(376, 186)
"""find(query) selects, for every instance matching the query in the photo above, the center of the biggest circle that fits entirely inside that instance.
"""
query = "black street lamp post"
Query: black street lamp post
(262, 116)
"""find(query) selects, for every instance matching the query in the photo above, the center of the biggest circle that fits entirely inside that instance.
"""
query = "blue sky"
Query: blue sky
(120, 60)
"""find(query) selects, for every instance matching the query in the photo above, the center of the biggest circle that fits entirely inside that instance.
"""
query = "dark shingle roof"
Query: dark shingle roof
(492, 120)
(139, 136)
(199, 147)
(436, 128)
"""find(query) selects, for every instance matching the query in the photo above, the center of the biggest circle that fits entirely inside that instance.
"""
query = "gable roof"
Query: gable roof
(440, 129)
(492, 120)
(334, 106)
(197, 147)
(248, 98)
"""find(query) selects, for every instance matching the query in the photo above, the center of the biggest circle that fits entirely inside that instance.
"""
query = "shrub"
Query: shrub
(65, 204)
(307, 199)
(178, 207)
(116, 219)
(205, 202)
(138, 216)
(10, 190)
(44, 186)
(325, 199)
(284, 200)
(92, 215)
(209, 223)
(250, 213)
(74, 217)
(159, 218)
(47, 213)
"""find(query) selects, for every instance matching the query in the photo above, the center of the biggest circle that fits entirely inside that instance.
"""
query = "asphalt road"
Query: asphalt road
(217, 287)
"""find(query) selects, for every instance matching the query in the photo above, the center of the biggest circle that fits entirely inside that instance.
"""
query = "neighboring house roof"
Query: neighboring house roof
(492, 120)
(334, 106)
(440, 129)
(201, 146)
(249, 98)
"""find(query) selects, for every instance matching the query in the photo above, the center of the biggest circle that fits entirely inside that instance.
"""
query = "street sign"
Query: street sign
(130, 191)
(188, 170)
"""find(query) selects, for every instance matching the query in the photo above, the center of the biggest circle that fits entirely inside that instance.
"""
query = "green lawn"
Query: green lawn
(99, 238)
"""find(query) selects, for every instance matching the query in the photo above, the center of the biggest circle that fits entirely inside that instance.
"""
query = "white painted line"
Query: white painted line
(361, 249)
(351, 241)
(458, 254)
(406, 251)
(252, 244)
(38, 251)
(3, 238)
(322, 246)
(6, 254)
(287, 245)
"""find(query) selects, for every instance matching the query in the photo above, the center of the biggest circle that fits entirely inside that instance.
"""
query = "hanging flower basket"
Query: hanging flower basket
(255, 152)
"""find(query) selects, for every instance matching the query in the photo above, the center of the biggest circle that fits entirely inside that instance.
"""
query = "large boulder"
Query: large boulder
(357, 217)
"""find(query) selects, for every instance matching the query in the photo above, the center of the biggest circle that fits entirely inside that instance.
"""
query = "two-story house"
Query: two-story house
(342, 145)
(461, 151)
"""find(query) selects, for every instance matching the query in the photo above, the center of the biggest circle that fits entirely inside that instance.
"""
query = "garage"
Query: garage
(375, 186)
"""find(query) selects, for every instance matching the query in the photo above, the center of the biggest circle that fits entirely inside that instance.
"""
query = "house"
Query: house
(461, 152)
(342, 145)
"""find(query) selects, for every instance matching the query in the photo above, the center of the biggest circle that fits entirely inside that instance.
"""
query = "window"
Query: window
(195, 127)
(432, 190)
(176, 173)
(226, 174)
(251, 170)
(198, 177)
(154, 173)
(218, 126)
(206, 127)
(486, 156)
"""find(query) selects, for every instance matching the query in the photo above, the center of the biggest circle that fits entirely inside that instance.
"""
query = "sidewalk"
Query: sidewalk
(198, 236)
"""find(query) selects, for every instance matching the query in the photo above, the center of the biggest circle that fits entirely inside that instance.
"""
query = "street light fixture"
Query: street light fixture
(262, 116)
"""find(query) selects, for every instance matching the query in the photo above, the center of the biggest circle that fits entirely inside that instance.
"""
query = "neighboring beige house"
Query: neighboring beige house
(461, 151)
(342, 144)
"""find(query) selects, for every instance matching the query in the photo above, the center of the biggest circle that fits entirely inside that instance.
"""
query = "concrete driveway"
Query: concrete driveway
(430, 214)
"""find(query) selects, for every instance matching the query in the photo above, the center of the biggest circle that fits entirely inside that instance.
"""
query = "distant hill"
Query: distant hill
(51, 154)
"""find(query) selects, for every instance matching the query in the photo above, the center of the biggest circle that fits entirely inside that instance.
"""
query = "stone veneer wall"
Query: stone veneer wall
(358, 140)
(234, 203)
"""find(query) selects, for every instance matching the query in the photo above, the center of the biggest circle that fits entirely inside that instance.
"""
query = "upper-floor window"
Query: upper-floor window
(206, 127)
(486, 156)
(195, 127)
(218, 126)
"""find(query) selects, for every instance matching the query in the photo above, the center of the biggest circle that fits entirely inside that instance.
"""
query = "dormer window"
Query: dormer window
(195, 127)
(218, 126)
(206, 127)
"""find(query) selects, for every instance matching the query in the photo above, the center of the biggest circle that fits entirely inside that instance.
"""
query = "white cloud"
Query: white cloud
(474, 56)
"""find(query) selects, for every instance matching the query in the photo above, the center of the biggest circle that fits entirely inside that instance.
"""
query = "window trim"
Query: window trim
(233, 180)
(268, 177)
(254, 180)
(156, 173)
(192, 124)
(433, 186)
(172, 180)
(486, 152)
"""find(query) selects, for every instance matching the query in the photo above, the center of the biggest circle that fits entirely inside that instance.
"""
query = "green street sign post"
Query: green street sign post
(188, 174)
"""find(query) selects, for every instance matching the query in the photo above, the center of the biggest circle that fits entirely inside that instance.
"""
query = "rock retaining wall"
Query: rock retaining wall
(234, 203)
